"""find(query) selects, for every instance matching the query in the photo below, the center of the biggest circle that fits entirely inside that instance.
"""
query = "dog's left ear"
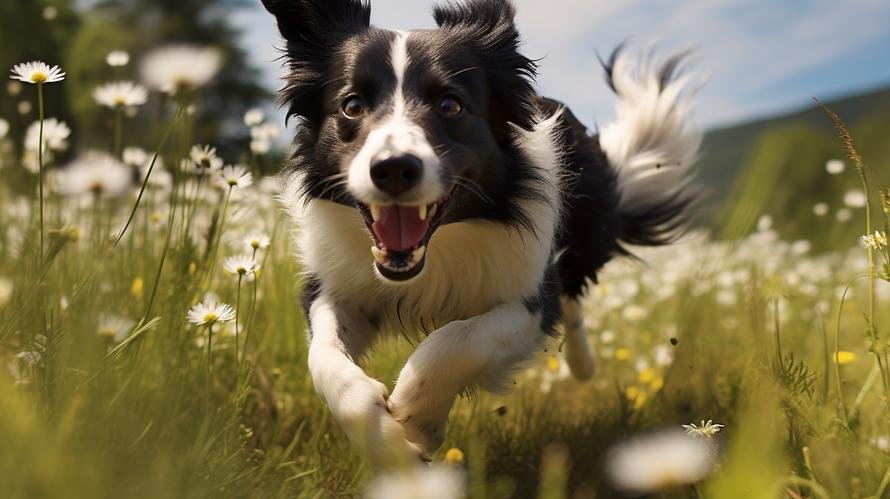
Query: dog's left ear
(488, 26)
(314, 30)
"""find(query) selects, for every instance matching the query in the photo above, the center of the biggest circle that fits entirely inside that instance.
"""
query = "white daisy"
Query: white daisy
(178, 68)
(14, 88)
(55, 135)
(706, 429)
(434, 482)
(843, 215)
(114, 327)
(37, 72)
(120, 94)
(835, 166)
(820, 209)
(205, 160)
(243, 266)
(210, 311)
(267, 131)
(260, 147)
(254, 117)
(237, 176)
(95, 173)
(855, 199)
(4, 128)
(257, 241)
(135, 156)
(117, 58)
(50, 13)
(660, 461)
(24, 107)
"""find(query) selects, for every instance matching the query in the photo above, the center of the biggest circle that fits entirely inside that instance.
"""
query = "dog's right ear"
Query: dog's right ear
(313, 31)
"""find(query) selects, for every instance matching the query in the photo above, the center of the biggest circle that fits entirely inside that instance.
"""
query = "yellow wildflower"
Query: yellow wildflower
(622, 354)
(454, 456)
(137, 287)
(843, 358)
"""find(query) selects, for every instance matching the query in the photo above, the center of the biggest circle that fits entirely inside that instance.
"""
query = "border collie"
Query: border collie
(434, 190)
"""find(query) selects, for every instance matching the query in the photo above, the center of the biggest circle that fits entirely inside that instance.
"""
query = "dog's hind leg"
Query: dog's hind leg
(482, 351)
(357, 401)
(577, 346)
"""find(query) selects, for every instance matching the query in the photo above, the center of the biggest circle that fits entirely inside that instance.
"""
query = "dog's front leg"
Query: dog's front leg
(482, 351)
(357, 401)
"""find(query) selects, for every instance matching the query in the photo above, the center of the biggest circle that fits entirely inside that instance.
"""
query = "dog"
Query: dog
(435, 191)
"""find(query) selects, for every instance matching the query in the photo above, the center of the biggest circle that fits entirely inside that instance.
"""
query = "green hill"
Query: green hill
(776, 167)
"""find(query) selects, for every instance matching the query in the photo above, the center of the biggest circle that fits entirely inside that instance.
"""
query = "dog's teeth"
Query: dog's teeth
(375, 212)
(422, 212)
(433, 210)
(379, 255)
(417, 254)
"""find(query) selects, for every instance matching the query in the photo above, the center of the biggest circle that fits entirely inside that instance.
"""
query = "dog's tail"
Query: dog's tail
(651, 146)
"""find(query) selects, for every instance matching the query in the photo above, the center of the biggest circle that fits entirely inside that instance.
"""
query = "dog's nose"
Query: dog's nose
(397, 174)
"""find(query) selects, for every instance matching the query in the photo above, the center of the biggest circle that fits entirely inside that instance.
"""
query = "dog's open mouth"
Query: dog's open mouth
(401, 234)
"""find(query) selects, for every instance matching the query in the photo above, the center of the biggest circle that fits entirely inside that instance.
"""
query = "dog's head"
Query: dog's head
(412, 128)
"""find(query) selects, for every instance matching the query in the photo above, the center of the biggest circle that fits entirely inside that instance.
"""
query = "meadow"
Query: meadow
(152, 343)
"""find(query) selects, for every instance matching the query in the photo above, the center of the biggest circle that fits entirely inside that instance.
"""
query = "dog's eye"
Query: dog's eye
(353, 107)
(450, 107)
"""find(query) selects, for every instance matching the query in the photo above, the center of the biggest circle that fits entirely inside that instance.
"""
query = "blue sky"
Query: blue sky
(760, 57)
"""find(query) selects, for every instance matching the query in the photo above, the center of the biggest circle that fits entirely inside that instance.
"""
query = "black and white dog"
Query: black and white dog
(435, 190)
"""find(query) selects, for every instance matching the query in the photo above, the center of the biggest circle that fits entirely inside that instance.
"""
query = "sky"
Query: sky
(757, 57)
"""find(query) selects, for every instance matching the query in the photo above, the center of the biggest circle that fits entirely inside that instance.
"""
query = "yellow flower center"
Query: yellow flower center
(39, 77)
(119, 101)
(210, 317)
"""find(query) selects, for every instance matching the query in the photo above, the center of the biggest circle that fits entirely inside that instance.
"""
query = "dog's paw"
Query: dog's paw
(364, 412)
(423, 416)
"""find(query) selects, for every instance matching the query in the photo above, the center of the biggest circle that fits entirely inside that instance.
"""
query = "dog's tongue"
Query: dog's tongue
(400, 228)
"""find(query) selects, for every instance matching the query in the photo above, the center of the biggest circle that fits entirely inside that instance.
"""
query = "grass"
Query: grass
(109, 391)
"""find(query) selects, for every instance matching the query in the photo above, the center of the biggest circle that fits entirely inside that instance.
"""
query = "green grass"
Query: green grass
(695, 334)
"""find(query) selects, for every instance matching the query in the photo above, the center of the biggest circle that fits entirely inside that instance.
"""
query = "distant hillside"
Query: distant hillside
(776, 166)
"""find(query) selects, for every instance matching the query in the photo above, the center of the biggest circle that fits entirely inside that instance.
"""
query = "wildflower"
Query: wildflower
(137, 287)
(707, 429)
(237, 176)
(5, 292)
(634, 313)
(243, 266)
(117, 58)
(120, 94)
(178, 68)
(14, 88)
(114, 328)
(24, 107)
(268, 132)
(260, 147)
(95, 173)
(55, 135)
(254, 117)
(135, 156)
(855, 199)
(210, 311)
(454, 456)
(257, 241)
(205, 160)
(835, 166)
(844, 215)
(660, 461)
(647, 375)
(622, 354)
(435, 482)
(876, 241)
(4, 128)
(842, 358)
(885, 200)
(820, 209)
(37, 72)
(656, 384)
(50, 13)
(765, 223)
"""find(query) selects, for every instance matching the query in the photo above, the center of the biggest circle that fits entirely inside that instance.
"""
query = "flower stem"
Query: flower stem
(118, 132)
(40, 165)
(151, 167)
(237, 316)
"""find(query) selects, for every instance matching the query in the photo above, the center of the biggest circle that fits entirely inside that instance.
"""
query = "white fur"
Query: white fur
(397, 136)
(649, 143)
(480, 351)
(357, 402)
(578, 354)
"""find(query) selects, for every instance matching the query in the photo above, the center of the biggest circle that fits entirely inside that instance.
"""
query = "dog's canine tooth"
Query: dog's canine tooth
(379, 255)
(418, 254)
(422, 211)
(375, 212)
(433, 210)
